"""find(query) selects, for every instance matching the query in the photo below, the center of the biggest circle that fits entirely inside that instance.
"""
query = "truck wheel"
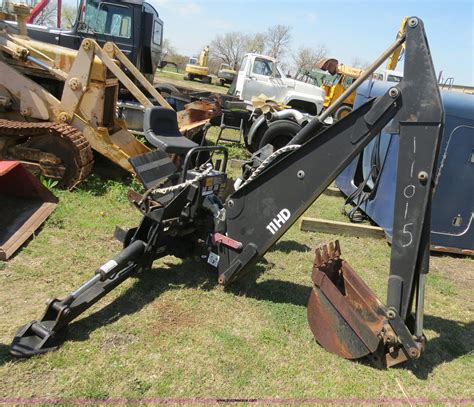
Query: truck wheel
(186, 77)
(279, 133)
(342, 111)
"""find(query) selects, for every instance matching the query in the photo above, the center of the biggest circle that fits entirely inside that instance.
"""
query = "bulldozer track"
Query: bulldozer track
(77, 144)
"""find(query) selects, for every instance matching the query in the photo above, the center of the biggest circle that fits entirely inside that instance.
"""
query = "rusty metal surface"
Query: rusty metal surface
(25, 205)
(344, 315)
(57, 150)
(198, 111)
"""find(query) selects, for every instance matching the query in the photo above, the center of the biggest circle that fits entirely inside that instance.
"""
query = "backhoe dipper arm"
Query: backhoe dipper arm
(261, 211)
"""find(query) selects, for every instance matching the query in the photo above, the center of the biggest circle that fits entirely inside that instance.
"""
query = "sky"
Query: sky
(348, 29)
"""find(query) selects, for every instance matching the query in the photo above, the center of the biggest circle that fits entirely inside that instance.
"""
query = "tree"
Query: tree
(47, 16)
(358, 63)
(306, 59)
(256, 43)
(277, 40)
(167, 49)
(68, 15)
(229, 48)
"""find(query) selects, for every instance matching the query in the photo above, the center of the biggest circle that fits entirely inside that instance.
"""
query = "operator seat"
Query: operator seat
(160, 126)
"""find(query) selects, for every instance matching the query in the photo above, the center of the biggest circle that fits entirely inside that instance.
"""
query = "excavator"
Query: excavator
(342, 76)
(186, 213)
(198, 68)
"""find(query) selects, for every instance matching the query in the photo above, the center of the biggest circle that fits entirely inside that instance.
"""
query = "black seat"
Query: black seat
(161, 129)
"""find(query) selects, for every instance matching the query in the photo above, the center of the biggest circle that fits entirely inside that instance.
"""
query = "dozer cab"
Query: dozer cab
(134, 26)
(185, 214)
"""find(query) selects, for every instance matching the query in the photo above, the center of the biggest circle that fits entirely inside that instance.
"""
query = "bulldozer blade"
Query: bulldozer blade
(25, 204)
(346, 318)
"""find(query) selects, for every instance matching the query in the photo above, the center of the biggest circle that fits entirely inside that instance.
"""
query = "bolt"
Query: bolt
(300, 174)
(423, 177)
(390, 338)
(391, 314)
(230, 203)
(64, 117)
(108, 47)
(87, 44)
(412, 22)
(393, 92)
(414, 353)
(26, 111)
(74, 83)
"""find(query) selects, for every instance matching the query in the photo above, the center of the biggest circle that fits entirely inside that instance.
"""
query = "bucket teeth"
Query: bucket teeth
(326, 253)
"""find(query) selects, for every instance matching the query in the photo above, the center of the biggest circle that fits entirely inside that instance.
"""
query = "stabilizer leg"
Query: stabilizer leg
(49, 332)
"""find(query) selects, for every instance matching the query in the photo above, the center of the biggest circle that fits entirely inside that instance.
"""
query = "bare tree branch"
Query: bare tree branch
(47, 16)
(256, 43)
(68, 15)
(167, 49)
(229, 48)
(306, 59)
(358, 63)
(278, 40)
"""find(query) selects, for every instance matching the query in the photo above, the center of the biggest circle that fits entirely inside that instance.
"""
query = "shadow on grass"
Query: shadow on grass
(148, 286)
(4, 355)
(455, 338)
(290, 246)
(106, 175)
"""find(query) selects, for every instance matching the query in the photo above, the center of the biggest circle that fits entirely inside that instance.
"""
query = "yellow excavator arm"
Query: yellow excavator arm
(393, 59)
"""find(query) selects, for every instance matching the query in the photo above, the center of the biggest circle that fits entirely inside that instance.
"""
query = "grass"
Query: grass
(173, 332)
(177, 79)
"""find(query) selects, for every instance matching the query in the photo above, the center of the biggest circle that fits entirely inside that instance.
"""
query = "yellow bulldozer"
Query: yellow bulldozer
(59, 104)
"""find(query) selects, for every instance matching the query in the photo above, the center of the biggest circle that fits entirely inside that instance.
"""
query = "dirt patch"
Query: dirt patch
(116, 340)
(173, 318)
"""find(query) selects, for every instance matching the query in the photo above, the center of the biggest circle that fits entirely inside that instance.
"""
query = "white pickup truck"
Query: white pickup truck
(261, 74)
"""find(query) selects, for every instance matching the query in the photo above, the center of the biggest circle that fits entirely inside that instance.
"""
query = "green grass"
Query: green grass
(177, 79)
(173, 332)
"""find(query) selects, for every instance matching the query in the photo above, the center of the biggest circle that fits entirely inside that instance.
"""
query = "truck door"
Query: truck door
(263, 77)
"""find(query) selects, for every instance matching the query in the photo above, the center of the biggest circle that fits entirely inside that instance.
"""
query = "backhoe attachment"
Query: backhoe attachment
(185, 215)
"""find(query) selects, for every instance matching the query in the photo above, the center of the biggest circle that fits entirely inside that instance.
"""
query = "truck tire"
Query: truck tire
(279, 133)
(342, 111)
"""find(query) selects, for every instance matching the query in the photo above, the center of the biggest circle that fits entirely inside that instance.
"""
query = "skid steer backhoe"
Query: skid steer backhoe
(183, 214)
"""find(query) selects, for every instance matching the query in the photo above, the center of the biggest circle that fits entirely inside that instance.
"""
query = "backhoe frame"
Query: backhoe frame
(253, 218)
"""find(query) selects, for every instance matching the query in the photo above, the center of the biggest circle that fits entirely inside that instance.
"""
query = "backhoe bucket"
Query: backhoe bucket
(25, 204)
(344, 315)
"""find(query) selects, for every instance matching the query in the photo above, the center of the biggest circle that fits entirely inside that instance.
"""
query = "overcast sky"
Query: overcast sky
(348, 29)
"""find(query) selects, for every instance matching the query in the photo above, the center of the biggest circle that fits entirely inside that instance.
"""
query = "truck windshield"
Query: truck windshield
(263, 67)
(111, 19)
(394, 78)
